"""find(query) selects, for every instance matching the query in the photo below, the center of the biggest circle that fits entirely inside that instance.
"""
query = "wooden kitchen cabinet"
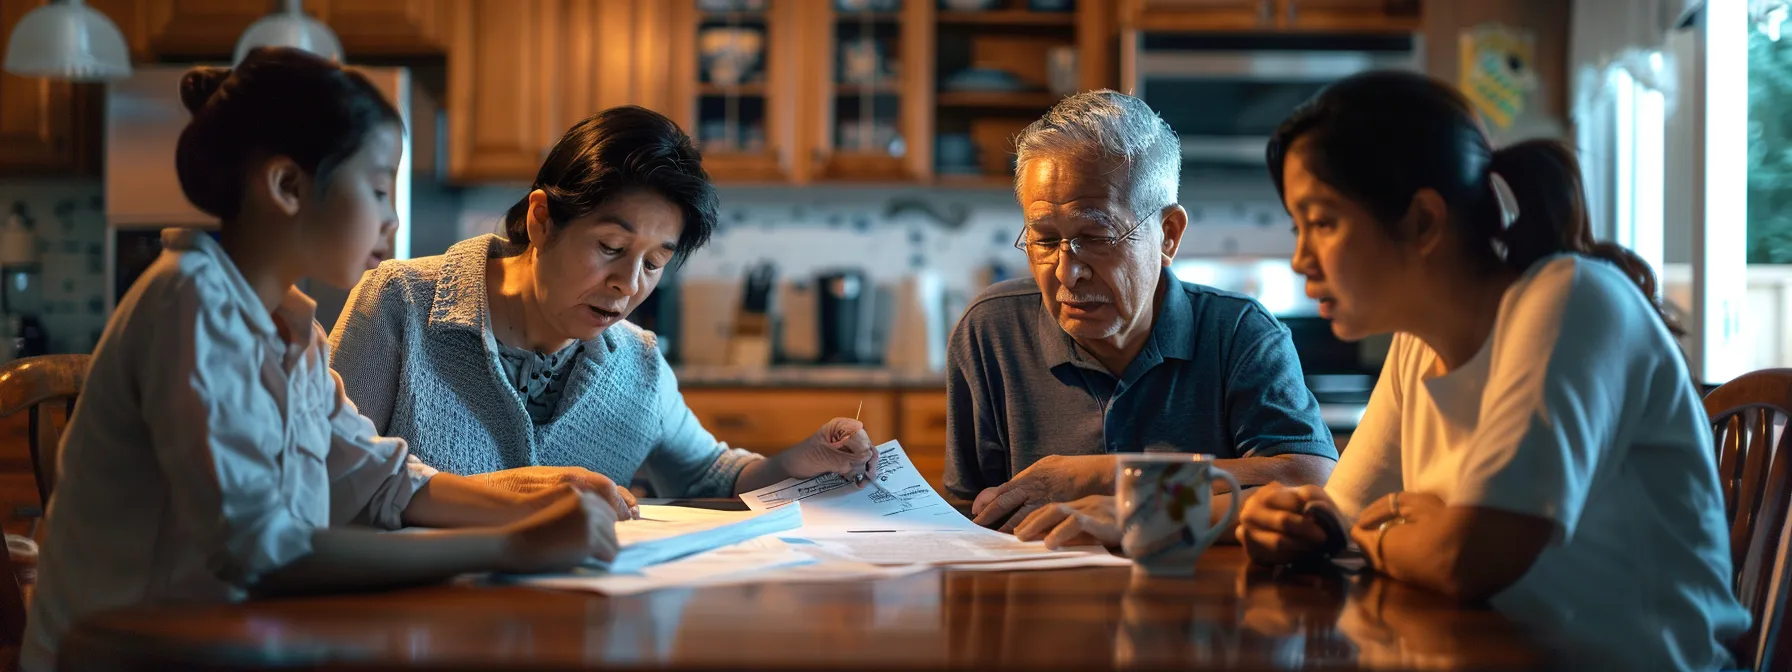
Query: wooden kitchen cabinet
(503, 61)
(200, 28)
(386, 27)
(770, 420)
(1344, 16)
(744, 118)
(1351, 15)
(1181, 15)
(520, 74)
(47, 127)
(868, 94)
(923, 433)
(210, 28)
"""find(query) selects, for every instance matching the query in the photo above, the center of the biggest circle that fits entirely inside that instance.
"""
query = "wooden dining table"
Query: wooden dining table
(1231, 614)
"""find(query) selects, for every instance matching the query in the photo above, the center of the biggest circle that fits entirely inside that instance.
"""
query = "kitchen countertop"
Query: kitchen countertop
(1340, 417)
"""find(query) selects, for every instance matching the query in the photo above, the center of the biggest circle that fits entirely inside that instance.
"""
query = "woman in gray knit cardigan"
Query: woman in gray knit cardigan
(508, 357)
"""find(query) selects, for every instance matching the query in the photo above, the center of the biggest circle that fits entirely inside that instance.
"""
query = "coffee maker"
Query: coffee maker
(845, 302)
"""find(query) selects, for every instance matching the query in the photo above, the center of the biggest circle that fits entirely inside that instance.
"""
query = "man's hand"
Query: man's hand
(540, 486)
(1053, 479)
(1088, 521)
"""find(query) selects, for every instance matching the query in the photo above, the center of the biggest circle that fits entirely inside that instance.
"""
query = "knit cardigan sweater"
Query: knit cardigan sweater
(415, 355)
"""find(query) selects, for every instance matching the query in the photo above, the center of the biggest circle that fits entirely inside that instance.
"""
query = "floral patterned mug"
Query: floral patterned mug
(1164, 504)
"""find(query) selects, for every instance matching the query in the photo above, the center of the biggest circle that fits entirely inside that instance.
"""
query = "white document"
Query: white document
(898, 500)
(711, 568)
(898, 520)
(762, 560)
(954, 549)
(665, 533)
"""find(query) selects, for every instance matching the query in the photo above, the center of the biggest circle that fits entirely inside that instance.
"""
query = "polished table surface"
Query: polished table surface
(1230, 615)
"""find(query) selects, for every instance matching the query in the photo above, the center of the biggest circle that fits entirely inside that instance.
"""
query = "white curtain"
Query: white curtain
(1616, 62)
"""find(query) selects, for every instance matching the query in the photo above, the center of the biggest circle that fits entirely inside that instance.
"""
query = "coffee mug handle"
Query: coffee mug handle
(1212, 534)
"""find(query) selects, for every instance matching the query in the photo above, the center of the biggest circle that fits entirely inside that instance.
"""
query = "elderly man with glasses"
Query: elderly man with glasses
(1103, 351)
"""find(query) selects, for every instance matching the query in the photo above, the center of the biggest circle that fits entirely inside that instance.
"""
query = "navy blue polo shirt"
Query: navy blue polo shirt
(1219, 376)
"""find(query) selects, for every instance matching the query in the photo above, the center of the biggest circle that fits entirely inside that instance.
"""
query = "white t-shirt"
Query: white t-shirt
(1579, 410)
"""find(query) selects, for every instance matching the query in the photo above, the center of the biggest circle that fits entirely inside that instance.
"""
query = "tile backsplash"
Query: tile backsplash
(69, 219)
(961, 234)
(964, 235)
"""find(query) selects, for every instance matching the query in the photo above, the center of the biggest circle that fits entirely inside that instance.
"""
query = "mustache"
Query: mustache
(1083, 298)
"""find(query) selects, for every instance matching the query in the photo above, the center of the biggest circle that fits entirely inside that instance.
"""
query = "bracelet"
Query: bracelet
(1381, 532)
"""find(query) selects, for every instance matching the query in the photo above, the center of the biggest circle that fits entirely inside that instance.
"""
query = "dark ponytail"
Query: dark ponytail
(277, 102)
(1552, 215)
(1380, 137)
(611, 153)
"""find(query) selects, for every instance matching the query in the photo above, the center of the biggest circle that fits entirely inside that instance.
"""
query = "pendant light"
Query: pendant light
(66, 39)
(290, 27)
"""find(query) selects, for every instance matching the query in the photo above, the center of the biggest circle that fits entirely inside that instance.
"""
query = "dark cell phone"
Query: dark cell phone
(1328, 519)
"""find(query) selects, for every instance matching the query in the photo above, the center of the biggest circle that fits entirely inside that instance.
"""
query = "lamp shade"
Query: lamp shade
(290, 27)
(67, 40)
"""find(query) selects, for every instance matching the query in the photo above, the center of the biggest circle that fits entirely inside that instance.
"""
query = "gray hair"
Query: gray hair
(1110, 128)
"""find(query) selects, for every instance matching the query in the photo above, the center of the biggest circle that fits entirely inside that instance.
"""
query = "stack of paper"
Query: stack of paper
(665, 533)
(900, 520)
(820, 529)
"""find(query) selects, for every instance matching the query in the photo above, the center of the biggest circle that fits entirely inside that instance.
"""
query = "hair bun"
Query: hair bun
(199, 85)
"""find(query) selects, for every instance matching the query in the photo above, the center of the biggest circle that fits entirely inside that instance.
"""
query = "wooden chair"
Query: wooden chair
(1756, 476)
(26, 385)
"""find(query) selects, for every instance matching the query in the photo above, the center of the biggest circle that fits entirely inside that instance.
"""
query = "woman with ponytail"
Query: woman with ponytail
(1534, 439)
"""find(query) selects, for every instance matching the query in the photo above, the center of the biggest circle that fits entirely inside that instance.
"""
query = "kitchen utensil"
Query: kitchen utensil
(705, 313)
(862, 61)
(1061, 71)
(799, 337)
(983, 79)
(730, 53)
(750, 344)
(731, 5)
(917, 339)
(969, 5)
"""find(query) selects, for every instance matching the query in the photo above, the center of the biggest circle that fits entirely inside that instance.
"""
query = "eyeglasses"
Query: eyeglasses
(1045, 250)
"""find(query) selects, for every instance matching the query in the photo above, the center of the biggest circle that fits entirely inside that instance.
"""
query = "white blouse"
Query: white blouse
(1578, 410)
(210, 442)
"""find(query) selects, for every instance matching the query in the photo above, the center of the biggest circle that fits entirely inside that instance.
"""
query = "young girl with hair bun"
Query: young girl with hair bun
(212, 454)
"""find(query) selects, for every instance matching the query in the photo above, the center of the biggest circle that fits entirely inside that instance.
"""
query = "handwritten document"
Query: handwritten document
(897, 500)
(898, 520)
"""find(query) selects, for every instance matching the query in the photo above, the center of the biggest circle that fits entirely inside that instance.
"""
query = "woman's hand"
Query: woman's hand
(1273, 527)
(1085, 522)
(840, 447)
(573, 526)
(1411, 507)
(540, 486)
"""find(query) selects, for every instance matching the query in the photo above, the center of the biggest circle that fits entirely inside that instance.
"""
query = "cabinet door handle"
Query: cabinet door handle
(1266, 12)
(936, 422)
(1292, 7)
